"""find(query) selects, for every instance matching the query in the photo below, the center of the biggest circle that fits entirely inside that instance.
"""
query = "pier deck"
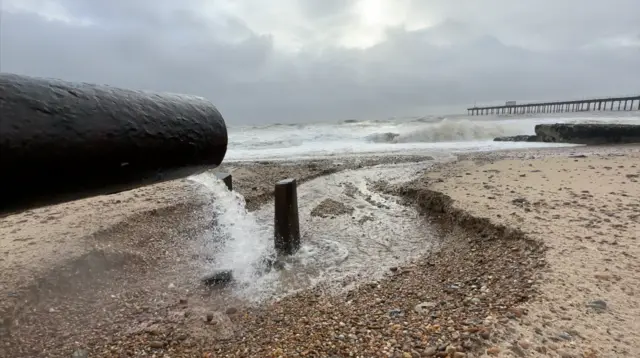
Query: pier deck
(628, 103)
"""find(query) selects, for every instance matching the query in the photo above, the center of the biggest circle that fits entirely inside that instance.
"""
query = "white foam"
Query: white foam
(333, 249)
(238, 241)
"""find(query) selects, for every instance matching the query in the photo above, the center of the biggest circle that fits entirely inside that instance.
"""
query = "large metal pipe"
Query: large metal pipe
(62, 141)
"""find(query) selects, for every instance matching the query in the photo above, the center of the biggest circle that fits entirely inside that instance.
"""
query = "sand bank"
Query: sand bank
(582, 204)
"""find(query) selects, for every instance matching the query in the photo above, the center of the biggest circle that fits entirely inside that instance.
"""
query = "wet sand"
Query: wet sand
(535, 258)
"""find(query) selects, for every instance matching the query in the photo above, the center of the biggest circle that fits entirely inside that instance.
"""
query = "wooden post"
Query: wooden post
(227, 179)
(286, 221)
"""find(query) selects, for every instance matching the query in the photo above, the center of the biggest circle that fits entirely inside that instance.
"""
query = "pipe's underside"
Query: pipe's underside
(62, 141)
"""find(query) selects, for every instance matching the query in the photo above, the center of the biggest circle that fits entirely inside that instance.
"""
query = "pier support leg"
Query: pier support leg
(286, 224)
(227, 179)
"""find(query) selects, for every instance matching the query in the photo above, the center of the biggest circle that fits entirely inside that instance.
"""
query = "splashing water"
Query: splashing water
(337, 252)
(239, 242)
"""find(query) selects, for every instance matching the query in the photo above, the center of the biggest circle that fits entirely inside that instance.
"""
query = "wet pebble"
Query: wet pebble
(485, 334)
(424, 307)
(524, 344)
(156, 344)
(598, 305)
(566, 336)
(430, 352)
(222, 277)
(80, 353)
(494, 351)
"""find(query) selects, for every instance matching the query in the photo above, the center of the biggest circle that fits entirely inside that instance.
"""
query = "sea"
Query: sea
(397, 136)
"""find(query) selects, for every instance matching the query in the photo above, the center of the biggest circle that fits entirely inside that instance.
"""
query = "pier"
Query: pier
(628, 103)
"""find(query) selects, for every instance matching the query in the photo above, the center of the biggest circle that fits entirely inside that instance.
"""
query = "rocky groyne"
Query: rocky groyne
(580, 133)
(517, 138)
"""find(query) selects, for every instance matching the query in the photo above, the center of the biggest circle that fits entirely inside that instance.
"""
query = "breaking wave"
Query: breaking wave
(454, 131)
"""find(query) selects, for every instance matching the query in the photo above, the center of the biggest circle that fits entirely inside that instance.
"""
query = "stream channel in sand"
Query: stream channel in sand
(136, 271)
(356, 236)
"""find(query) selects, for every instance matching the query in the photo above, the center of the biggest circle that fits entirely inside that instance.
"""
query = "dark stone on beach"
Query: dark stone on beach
(156, 344)
(598, 305)
(218, 278)
(517, 138)
(63, 141)
(269, 263)
(331, 208)
(588, 133)
(388, 137)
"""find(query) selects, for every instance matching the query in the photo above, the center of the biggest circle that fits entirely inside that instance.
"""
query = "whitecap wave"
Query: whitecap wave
(453, 131)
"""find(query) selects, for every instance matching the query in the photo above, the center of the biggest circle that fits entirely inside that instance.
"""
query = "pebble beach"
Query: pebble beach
(534, 256)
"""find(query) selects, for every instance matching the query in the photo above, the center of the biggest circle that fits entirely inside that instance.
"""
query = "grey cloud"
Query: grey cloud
(163, 46)
(325, 8)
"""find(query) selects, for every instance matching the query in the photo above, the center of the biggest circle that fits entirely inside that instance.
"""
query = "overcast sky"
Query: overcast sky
(306, 60)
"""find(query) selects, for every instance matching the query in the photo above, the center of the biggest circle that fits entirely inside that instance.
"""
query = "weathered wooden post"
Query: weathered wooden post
(286, 221)
(226, 179)
(62, 141)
